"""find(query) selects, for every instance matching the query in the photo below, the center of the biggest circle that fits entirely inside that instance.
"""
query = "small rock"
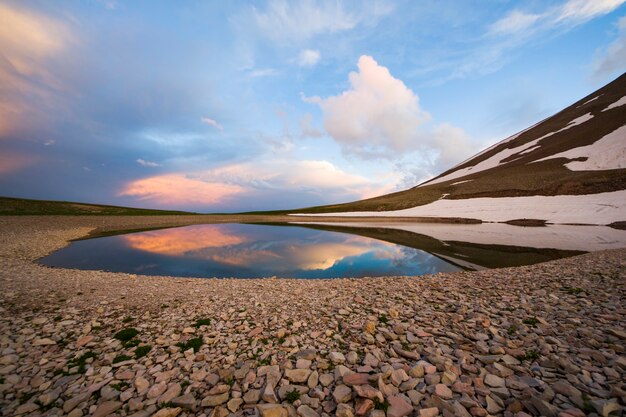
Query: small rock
(214, 400)
(168, 412)
(106, 408)
(272, 410)
(342, 394)
(443, 391)
(429, 412)
(398, 406)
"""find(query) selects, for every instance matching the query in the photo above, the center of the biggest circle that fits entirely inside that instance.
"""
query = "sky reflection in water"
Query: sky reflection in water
(247, 251)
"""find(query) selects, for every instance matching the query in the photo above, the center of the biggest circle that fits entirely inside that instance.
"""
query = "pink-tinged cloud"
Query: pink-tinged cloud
(178, 189)
(211, 122)
(317, 176)
(175, 242)
(13, 162)
(28, 41)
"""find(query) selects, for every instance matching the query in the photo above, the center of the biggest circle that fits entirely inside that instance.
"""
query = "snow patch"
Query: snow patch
(602, 208)
(609, 152)
(497, 159)
(618, 103)
(565, 237)
(589, 101)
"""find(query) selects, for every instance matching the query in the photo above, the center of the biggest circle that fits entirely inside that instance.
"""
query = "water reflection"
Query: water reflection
(247, 251)
(331, 250)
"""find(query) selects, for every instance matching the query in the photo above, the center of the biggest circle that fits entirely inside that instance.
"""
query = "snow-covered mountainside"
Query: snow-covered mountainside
(569, 168)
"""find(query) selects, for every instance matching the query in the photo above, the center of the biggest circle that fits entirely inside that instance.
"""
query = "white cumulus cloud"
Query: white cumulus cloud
(211, 122)
(145, 163)
(309, 58)
(378, 115)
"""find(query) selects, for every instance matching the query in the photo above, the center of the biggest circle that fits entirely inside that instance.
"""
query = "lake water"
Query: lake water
(330, 250)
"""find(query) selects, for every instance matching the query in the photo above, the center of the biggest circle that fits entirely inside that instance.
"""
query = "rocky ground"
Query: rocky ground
(547, 339)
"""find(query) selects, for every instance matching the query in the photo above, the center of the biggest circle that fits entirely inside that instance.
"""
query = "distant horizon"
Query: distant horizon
(274, 105)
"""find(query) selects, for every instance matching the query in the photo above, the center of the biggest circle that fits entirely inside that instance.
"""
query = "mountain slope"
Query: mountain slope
(21, 206)
(578, 151)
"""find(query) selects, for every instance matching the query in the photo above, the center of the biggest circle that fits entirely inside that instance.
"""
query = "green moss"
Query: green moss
(531, 355)
(194, 344)
(126, 334)
(120, 386)
(131, 343)
(142, 351)
(378, 405)
(121, 358)
(202, 322)
(81, 361)
(531, 321)
(127, 319)
(383, 319)
(292, 396)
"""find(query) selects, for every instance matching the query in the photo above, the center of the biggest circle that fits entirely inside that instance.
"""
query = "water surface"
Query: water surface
(330, 250)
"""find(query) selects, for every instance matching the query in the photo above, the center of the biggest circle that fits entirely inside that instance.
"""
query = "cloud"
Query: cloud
(377, 115)
(583, 10)
(452, 143)
(211, 122)
(276, 182)
(300, 20)
(262, 72)
(570, 12)
(176, 190)
(28, 41)
(513, 22)
(307, 130)
(12, 161)
(309, 58)
(613, 59)
(145, 163)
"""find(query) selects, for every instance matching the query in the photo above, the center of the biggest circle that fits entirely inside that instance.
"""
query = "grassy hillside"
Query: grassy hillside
(22, 207)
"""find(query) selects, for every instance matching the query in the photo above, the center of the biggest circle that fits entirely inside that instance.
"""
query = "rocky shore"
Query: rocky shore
(546, 339)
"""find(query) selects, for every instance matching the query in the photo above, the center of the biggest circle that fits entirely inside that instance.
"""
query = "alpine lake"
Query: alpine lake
(329, 250)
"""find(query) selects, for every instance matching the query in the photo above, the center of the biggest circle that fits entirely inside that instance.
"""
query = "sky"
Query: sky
(216, 106)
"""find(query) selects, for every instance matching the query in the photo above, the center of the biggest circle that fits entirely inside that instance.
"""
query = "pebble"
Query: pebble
(452, 344)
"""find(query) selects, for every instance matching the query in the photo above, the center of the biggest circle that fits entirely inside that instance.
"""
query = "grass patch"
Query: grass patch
(127, 334)
(26, 396)
(194, 344)
(587, 406)
(81, 361)
(121, 358)
(512, 330)
(131, 343)
(292, 396)
(142, 351)
(378, 405)
(266, 361)
(165, 405)
(120, 386)
(531, 321)
(21, 206)
(383, 319)
(531, 355)
(573, 290)
(202, 322)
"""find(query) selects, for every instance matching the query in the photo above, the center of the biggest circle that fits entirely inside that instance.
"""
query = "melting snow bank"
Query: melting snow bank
(603, 208)
(609, 152)
(565, 237)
